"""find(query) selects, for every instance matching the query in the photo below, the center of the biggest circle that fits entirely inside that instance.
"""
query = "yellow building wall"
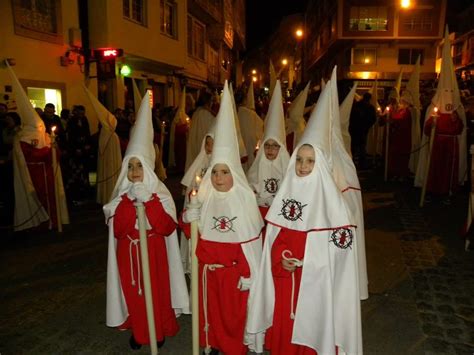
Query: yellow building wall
(39, 61)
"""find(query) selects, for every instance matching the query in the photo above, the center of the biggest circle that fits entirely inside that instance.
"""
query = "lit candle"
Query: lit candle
(435, 111)
(193, 198)
(198, 181)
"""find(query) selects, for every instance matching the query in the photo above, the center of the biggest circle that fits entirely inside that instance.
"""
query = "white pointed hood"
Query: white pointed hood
(296, 110)
(374, 92)
(238, 205)
(105, 117)
(242, 149)
(411, 94)
(265, 175)
(345, 114)
(137, 97)
(323, 84)
(273, 77)
(250, 101)
(33, 129)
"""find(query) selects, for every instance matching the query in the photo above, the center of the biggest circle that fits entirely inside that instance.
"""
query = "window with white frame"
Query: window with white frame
(134, 10)
(421, 20)
(410, 55)
(169, 25)
(196, 38)
(368, 18)
(367, 56)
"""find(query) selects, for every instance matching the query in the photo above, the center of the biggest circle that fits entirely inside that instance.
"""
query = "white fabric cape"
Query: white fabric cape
(327, 282)
(251, 128)
(345, 114)
(116, 311)
(201, 122)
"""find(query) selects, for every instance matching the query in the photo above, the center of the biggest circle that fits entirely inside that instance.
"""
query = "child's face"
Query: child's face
(271, 149)
(209, 144)
(305, 159)
(221, 178)
(135, 170)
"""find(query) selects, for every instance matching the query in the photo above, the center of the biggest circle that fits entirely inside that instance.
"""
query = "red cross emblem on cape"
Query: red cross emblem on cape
(292, 209)
(271, 185)
(342, 238)
(223, 224)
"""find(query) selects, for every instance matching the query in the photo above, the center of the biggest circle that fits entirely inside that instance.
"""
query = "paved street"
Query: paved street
(421, 282)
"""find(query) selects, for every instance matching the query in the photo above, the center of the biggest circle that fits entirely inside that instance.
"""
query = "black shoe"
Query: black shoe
(133, 344)
(213, 352)
(160, 343)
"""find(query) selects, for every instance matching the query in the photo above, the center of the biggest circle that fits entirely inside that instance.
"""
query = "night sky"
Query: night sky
(263, 16)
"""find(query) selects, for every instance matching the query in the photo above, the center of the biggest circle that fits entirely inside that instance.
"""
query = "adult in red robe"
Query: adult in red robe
(399, 147)
(443, 175)
(40, 167)
(129, 266)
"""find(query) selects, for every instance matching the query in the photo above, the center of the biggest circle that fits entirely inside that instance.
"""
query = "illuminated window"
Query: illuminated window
(418, 21)
(39, 19)
(39, 97)
(368, 18)
(410, 55)
(196, 38)
(168, 18)
(367, 56)
(134, 10)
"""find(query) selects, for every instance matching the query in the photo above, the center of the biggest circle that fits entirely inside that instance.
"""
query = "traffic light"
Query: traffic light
(107, 53)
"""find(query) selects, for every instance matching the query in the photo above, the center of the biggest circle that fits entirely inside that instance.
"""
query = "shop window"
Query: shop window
(134, 10)
(410, 55)
(368, 18)
(38, 19)
(169, 21)
(39, 97)
(367, 56)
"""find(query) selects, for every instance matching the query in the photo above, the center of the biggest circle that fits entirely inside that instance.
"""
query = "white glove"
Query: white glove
(191, 214)
(244, 283)
(140, 192)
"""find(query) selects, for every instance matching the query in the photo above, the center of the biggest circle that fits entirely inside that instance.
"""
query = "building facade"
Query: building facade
(369, 39)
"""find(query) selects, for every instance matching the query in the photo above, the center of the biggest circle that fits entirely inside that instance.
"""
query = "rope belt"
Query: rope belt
(134, 243)
(297, 263)
(207, 267)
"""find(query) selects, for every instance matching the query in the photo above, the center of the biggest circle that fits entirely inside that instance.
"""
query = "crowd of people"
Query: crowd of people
(275, 195)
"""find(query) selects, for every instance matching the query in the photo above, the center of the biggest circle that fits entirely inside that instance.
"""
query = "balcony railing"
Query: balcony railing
(212, 7)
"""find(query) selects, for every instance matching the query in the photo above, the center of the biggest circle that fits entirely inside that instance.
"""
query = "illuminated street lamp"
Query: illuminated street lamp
(299, 33)
(366, 60)
(405, 4)
(254, 79)
(284, 61)
(254, 71)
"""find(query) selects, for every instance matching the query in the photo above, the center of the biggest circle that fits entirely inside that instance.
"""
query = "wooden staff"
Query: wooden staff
(162, 139)
(146, 276)
(194, 277)
(56, 187)
(428, 161)
(375, 137)
(387, 139)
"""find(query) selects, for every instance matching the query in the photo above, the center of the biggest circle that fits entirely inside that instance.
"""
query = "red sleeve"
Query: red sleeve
(124, 218)
(185, 227)
(277, 269)
(161, 221)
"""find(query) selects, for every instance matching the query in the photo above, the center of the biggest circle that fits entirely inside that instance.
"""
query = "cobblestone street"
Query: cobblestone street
(421, 282)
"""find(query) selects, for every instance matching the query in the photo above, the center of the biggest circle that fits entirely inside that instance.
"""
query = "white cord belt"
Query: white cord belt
(297, 263)
(134, 243)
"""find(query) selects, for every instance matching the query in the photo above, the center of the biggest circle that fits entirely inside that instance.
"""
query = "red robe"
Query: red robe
(444, 165)
(399, 148)
(40, 166)
(278, 336)
(124, 230)
(226, 304)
